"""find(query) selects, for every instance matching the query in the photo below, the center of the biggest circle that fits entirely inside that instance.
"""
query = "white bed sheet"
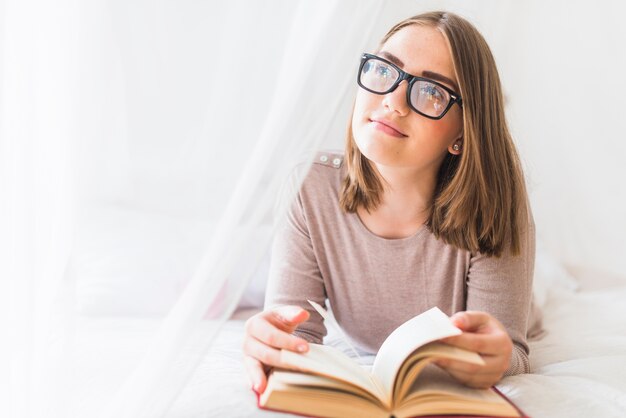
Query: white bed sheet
(579, 367)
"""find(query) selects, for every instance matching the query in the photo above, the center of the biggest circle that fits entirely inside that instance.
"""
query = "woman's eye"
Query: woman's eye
(383, 70)
(432, 93)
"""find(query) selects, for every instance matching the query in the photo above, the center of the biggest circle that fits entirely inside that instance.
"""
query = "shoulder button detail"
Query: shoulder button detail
(329, 159)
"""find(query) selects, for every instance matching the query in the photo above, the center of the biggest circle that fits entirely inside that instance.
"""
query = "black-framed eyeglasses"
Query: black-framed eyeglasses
(425, 96)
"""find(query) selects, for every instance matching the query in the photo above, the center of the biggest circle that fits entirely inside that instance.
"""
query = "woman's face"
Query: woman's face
(417, 142)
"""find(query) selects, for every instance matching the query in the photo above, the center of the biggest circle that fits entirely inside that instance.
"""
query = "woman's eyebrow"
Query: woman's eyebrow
(392, 58)
(439, 77)
(427, 74)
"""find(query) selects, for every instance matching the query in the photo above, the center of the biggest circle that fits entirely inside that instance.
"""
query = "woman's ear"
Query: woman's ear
(456, 147)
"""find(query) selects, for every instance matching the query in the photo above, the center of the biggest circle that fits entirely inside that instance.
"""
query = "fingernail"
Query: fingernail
(301, 348)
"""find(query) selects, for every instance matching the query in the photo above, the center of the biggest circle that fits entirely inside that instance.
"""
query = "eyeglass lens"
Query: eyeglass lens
(428, 98)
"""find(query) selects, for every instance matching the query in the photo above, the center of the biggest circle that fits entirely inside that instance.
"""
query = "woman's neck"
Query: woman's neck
(408, 193)
(405, 204)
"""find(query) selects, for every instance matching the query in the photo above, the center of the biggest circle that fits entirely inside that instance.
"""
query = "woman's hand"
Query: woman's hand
(485, 335)
(266, 333)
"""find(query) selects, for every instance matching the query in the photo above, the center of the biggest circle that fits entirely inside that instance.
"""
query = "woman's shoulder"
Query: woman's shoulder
(318, 180)
(329, 158)
(325, 173)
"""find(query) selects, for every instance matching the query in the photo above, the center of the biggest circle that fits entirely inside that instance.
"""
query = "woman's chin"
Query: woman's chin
(379, 156)
(378, 150)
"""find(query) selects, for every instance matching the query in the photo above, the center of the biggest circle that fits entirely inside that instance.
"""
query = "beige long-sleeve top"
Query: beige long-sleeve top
(375, 284)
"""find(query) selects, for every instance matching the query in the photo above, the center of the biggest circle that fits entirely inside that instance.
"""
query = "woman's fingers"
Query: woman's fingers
(267, 355)
(265, 334)
(287, 317)
(498, 342)
(474, 375)
(471, 320)
(493, 365)
(256, 373)
(479, 381)
(483, 334)
(274, 337)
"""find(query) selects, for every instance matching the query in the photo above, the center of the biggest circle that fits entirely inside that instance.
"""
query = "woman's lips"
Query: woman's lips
(384, 126)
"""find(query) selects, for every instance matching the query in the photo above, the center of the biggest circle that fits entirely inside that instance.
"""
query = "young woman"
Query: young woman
(427, 207)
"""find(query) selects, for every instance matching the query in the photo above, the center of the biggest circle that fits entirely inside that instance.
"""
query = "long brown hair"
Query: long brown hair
(480, 201)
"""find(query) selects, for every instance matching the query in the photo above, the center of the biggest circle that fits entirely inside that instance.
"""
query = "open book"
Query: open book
(325, 382)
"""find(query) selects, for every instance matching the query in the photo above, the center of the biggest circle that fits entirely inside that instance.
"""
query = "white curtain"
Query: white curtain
(145, 149)
(37, 124)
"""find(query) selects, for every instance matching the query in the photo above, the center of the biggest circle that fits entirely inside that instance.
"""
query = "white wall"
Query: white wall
(566, 80)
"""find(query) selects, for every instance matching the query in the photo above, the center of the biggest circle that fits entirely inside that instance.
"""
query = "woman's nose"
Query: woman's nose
(396, 100)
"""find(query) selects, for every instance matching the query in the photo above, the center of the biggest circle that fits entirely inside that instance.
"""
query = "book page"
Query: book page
(329, 361)
(320, 383)
(420, 358)
(436, 392)
(424, 328)
(290, 392)
(434, 379)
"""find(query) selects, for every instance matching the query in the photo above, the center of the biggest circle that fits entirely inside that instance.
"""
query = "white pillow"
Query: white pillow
(550, 276)
(129, 262)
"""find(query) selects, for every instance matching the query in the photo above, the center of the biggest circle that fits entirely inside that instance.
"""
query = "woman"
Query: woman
(427, 208)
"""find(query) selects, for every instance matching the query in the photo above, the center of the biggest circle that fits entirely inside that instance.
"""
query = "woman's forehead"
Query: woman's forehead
(418, 49)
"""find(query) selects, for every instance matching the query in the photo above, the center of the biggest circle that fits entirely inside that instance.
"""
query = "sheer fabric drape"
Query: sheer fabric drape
(141, 136)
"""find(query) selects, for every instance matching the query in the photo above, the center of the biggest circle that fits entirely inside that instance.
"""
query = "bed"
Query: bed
(578, 367)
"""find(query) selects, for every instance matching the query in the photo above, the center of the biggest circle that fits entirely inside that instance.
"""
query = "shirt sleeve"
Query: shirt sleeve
(502, 287)
(294, 274)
